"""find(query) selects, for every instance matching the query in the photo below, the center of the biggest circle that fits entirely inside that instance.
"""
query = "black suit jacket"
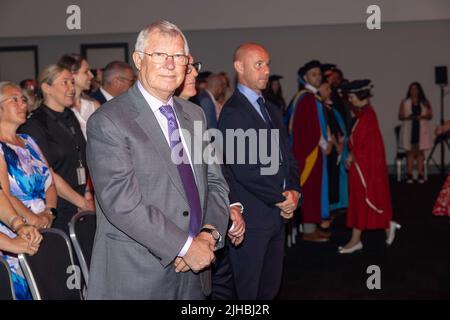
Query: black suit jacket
(258, 193)
(98, 95)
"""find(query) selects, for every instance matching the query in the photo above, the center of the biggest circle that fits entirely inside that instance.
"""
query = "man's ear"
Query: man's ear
(238, 66)
(305, 78)
(137, 60)
(115, 83)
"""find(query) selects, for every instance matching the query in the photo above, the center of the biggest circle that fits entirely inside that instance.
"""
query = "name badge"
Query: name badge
(81, 174)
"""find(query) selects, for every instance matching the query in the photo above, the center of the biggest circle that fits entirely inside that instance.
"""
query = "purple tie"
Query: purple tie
(185, 172)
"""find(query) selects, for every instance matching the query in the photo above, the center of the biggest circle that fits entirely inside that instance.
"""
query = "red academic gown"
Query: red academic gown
(370, 204)
(305, 145)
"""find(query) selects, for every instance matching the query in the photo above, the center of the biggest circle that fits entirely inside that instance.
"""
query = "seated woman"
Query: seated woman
(16, 237)
(57, 132)
(24, 173)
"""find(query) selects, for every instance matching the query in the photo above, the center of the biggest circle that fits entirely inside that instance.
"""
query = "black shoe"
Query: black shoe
(409, 179)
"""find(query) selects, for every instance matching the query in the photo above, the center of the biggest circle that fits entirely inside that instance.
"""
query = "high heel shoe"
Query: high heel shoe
(393, 226)
(355, 248)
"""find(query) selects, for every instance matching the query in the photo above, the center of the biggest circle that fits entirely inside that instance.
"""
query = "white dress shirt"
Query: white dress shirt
(155, 104)
(107, 95)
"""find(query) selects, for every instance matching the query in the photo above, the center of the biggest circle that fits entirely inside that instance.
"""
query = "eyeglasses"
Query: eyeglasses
(161, 57)
(191, 66)
(16, 99)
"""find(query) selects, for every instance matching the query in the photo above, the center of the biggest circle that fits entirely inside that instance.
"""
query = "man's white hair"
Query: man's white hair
(164, 27)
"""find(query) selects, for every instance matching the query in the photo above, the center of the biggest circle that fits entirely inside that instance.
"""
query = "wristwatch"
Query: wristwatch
(53, 212)
(216, 236)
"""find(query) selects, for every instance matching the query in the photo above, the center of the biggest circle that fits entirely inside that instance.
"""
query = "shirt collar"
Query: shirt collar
(250, 94)
(211, 96)
(311, 88)
(107, 95)
(153, 102)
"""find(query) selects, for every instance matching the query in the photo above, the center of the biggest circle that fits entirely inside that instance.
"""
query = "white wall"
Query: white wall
(392, 57)
(48, 17)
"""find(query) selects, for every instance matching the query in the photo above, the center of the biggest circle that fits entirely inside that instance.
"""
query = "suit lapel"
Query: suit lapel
(148, 123)
(261, 123)
(251, 111)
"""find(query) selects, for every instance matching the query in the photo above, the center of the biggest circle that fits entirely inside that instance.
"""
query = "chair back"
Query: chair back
(82, 228)
(51, 273)
(6, 283)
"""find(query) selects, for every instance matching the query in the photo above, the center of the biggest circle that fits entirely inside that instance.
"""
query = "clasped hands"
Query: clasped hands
(42, 220)
(27, 241)
(201, 252)
(199, 256)
(289, 205)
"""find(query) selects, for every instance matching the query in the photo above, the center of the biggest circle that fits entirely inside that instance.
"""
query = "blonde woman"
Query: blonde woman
(57, 132)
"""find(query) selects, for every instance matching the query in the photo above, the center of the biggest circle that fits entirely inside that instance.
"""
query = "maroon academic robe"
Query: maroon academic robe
(305, 147)
(369, 196)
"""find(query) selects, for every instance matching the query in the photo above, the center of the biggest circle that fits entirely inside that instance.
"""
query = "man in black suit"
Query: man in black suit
(269, 194)
(118, 77)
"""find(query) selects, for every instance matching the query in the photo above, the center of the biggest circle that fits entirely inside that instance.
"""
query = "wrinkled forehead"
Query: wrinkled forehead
(156, 36)
(11, 91)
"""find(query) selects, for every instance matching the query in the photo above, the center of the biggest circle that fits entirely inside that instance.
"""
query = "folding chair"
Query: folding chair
(6, 283)
(51, 273)
(82, 228)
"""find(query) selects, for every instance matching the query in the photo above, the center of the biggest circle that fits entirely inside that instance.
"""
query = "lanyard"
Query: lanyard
(70, 131)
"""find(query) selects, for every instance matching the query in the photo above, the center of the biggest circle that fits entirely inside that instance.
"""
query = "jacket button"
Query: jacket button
(185, 213)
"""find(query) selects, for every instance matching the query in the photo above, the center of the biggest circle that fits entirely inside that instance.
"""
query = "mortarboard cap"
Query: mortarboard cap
(308, 66)
(357, 86)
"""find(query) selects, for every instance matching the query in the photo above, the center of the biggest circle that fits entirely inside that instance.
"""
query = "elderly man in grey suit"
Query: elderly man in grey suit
(159, 220)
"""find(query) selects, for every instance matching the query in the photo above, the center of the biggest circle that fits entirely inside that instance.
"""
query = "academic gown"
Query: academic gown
(370, 204)
(305, 130)
(337, 173)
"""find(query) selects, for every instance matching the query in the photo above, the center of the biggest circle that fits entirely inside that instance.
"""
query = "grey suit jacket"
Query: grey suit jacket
(141, 204)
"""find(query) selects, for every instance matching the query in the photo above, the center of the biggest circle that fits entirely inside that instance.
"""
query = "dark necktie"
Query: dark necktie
(263, 108)
(266, 116)
(185, 172)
